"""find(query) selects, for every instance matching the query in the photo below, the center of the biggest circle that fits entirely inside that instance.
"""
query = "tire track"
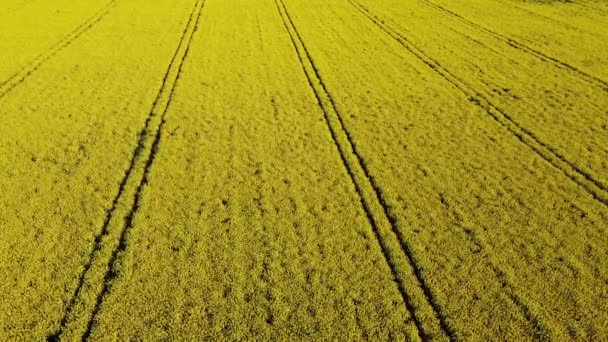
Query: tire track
(520, 46)
(31, 67)
(354, 164)
(539, 329)
(167, 86)
(550, 19)
(591, 185)
(111, 272)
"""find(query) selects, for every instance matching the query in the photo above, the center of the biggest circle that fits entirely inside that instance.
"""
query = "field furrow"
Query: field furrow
(369, 191)
(49, 39)
(537, 104)
(570, 15)
(130, 189)
(521, 133)
(244, 216)
(572, 50)
(449, 187)
(308, 170)
(76, 136)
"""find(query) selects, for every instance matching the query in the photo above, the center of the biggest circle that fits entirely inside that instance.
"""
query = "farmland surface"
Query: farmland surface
(303, 170)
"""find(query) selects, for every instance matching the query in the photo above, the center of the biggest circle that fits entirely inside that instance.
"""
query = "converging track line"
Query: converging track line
(540, 330)
(591, 185)
(129, 220)
(140, 148)
(25, 71)
(520, 46)
(549, 19)
(350, 148)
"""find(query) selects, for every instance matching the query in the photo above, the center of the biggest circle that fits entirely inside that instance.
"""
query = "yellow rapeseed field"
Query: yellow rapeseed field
(303, 170)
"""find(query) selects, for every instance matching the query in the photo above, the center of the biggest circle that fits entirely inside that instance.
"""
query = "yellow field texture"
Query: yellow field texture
(33, 30)
(304, 170)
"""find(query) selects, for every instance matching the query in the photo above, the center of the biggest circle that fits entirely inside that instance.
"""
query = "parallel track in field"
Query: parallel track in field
(354, 164)
(593, 186)
(153, 128)
(550, 19)
(129, 220)
(27, 70)
(540, 331)
(521, 46)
